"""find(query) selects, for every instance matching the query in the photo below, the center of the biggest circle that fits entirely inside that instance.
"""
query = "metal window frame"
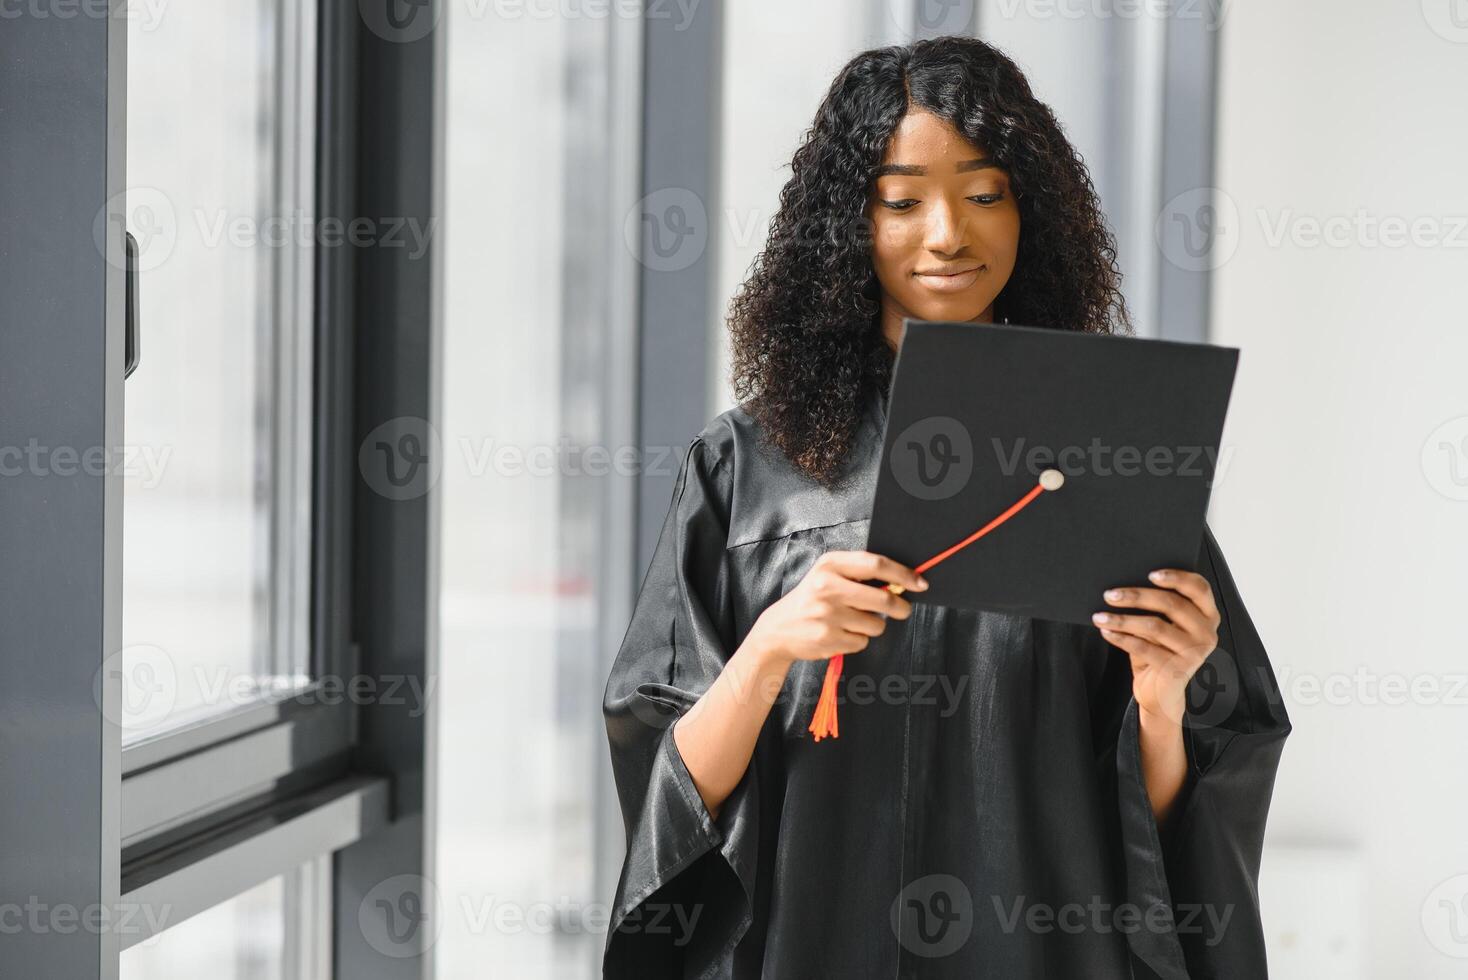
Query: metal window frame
(62, 106)
(196, 815)
(680, 124)
(181, 787)
(1189, 128)
(396, 125)
(184, 774)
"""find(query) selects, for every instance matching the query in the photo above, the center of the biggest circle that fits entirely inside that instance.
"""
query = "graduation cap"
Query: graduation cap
(1027, 470)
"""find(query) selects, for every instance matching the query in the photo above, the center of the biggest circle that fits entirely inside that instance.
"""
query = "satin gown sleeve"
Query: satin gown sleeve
(685, 895)
(1201, 870)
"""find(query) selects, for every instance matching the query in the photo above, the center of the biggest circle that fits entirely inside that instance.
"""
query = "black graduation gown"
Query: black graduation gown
(982, 812)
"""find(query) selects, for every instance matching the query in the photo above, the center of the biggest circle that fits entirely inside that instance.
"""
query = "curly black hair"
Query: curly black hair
(805, 327)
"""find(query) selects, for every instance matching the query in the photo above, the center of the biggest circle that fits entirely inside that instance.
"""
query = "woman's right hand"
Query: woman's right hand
(832, 610)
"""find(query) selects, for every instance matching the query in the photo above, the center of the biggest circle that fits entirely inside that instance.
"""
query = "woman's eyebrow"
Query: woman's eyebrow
(911, 170)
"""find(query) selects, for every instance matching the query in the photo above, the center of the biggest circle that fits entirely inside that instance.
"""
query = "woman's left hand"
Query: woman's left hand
(1165, 651)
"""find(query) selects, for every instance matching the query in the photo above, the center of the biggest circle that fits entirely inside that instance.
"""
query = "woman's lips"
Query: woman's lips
(950, 283)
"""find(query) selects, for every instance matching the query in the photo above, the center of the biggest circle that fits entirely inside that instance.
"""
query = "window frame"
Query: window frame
(211, 809)
(192, 781)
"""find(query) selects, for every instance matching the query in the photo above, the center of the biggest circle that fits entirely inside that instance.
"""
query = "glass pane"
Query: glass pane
(242, 939)
(219, 178)
(524, 387)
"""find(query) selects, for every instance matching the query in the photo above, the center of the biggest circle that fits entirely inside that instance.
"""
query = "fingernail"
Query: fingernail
(1115, 594)
(922, 583)
(1158, 576)
(1101, 617)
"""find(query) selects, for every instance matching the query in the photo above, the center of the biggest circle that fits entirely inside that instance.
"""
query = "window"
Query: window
(264, 933)
(140, 773)
(533, 388)
(216, 499)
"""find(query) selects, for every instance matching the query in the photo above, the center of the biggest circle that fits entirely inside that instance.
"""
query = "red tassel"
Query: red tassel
(824, 721)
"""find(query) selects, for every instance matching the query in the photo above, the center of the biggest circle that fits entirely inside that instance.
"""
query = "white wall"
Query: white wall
(1339, 512)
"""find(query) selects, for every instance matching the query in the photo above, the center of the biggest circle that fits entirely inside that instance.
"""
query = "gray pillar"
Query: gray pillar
(61, 365)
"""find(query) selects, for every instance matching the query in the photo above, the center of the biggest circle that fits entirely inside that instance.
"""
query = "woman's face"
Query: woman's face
(945, 227)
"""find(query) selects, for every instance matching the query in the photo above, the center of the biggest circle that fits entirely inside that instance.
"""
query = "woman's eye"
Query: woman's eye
(987, 198)
(901, 205)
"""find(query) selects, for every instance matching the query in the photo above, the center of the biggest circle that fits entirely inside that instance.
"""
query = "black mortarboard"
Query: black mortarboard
(978, 412)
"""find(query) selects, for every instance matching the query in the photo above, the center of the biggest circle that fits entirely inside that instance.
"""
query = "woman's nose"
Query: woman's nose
(944, 232)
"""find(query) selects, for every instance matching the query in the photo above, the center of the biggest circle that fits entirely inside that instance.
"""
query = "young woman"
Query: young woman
(1007, 797)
